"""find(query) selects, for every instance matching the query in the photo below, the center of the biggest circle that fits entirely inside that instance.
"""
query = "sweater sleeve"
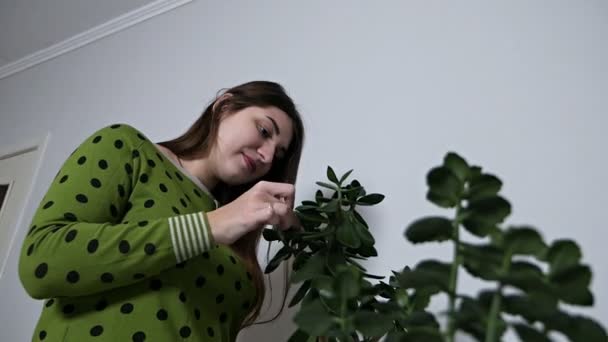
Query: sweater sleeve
(77, 244)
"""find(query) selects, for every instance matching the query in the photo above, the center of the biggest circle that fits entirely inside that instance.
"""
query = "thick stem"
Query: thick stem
(451, 329)
(491, 331)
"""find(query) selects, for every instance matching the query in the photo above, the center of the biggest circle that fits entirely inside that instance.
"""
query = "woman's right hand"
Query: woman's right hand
(265, 203)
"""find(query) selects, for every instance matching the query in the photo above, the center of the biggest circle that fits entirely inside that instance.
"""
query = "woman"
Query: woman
(136, 241)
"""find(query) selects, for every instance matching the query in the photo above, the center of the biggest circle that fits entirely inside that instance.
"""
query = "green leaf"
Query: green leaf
(302, 291)
(365, 236)
(283, 254)
(444, 187)
(482, 261)
(313, 318)
(457, 165)
(347, 282)
(421, 298)
(577, 328)
(524, 241)
(359, 218)
(572, 285)
(345, 176)
(335, 257)
(325, 286)
(331, 207)
(484, 214)
(529, 334)
(425, 334)
(370, 323)
(526, 276)
(300, 336)
(367, 251)
(429, 229)
(331, 175)
(347, 236)
(483, 186)
(562, 255)
(420, 319)
(370, 199)
(429, 274)
(533, 307)
(270, 235)
(326, 185)
(313, 267)
(311, 217)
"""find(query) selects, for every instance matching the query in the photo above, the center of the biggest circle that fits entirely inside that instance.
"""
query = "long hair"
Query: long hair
(200, 138)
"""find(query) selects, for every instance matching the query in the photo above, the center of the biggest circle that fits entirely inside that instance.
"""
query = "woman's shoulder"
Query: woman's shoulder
(118, 135)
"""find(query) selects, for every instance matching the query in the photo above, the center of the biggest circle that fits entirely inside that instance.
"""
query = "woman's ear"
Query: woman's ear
(220, 102)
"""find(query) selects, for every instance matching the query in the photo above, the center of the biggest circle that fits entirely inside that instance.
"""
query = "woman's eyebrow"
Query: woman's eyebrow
(274, 123)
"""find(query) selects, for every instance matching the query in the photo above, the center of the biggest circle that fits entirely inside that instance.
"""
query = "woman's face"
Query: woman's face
(248, 142)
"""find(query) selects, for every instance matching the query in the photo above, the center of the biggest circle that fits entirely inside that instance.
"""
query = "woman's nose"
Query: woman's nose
(266, 152)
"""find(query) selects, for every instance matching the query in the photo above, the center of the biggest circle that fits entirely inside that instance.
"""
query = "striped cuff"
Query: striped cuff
(190, 235)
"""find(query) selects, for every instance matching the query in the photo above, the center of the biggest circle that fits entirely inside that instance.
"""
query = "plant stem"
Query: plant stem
(496, 302)
(451, 329)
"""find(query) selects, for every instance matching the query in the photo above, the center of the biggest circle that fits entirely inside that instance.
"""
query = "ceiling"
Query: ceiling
(27, 26)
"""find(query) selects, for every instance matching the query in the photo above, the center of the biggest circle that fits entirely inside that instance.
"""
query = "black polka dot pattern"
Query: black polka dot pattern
(124, 247)
(155, 284)
(126, 308)
(106, 277)
(71, 235)
(200, 281)
(68, 309)
(185, 332)
(96, 330)
(121, 190)
(219, 299)
(101, 305)
(150, 249)
(162, 315)
(70, 217)
(96, 183)
(41, 270)
(139, 336)
(103, 164)
(93, 245)
(116, 187)
(72, 277)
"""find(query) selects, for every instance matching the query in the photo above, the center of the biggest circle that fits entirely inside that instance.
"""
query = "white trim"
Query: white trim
(40, 147)
(110, 27)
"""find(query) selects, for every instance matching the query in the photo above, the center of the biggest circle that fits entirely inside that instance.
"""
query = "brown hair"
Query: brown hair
(202, 135)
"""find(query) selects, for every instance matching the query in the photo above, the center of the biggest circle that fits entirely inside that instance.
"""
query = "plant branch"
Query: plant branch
(451, 328)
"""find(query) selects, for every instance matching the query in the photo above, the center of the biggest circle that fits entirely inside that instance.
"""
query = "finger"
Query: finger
(278, 190)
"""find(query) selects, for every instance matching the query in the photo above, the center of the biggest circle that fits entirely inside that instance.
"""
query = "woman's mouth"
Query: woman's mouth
(249, 163)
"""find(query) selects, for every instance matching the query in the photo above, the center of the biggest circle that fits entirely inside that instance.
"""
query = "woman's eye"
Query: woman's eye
(264, 132)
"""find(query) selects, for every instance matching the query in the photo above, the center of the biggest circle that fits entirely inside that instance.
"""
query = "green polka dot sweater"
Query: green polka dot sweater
(121, 249)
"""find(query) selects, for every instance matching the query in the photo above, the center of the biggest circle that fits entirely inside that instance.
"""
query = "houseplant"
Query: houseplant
(529, 279)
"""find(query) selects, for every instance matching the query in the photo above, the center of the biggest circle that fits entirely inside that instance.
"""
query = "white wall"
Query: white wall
(386, 89)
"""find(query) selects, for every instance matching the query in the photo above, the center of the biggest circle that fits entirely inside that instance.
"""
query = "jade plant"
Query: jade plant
(529, 280)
